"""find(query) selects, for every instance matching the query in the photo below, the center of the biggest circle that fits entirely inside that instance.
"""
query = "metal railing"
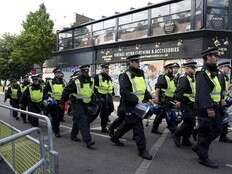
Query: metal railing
(28, 147)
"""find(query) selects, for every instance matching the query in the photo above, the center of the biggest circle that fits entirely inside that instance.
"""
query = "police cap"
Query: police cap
(84, 67)
(169, 65)
(190, 64)
(227, 63)
(106, 66)
(133, 57)
(210, 51)
(57, 70)
(176, 65)
(35, 77)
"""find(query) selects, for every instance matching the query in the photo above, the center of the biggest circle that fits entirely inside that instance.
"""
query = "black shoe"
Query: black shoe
(57, 135)
(155, 131)
(76, 139)
(90, 144)
(225, 139)
(17, 118)
(186, 142)
(195, 148)
(176, 140)
(117, 142)
(24, 121)
(209, 163)
(111, 132)
(145, 155)
(105, 130)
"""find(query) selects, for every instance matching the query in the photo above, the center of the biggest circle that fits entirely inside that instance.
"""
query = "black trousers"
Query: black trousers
(224, 131)
(56, 114)
(186, 128)
(14, 104)
(36, 108)
(135, 123)
(23, 116)
(80, 121)
(209, 130)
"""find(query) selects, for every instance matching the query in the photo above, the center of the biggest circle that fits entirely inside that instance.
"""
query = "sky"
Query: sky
(62, 12)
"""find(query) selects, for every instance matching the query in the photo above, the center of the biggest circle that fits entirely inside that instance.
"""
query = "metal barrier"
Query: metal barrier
(28, 147)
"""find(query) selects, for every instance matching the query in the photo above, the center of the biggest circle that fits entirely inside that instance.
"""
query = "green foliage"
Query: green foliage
(37, 41)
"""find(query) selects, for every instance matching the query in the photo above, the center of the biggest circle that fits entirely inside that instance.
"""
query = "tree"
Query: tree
(37, 40)
(8, 67)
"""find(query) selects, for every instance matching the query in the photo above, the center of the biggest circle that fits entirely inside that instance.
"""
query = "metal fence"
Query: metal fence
(25, 154)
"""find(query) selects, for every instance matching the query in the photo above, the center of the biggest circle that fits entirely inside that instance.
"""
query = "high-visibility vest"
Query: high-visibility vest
(36, 95)
(105, 87)
(14, 93)
(192, 83)
(216, 93)
(171, 87)
(23, 88)
(138, 85)
(85, 93)
(57, 90)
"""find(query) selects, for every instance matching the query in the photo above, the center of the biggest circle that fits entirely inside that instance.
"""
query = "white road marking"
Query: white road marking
(144, 166)
(229, 165)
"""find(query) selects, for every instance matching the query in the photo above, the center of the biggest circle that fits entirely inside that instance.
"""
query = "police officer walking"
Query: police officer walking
(104, 92)
(54, 89)
(81, 91)
(23, 86)
(224, 78)
(164, 92)
(185, 99)
(14, 94)
(33, 97)
(132, 90)
(208, 101)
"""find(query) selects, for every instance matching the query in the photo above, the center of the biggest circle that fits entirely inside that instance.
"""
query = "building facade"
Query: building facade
(169, 31)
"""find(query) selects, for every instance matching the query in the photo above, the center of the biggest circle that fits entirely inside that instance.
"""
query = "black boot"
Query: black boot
(90, 144)
(145, 154)
(225, 139)
(57, 134)
(209, 163)
(76, 139)
(186, 142)
(105, 130)
(117, 142)
(156, 131)
(176, 140)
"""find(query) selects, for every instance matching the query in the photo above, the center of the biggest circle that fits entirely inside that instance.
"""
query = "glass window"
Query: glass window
(218, 3)
(160, 11)
(199, 14)
(125, 19)
(143, 15)
(181, 6)
(82, 37)
(98, 26)
(65, 40)
(104, 36)
(109, 23)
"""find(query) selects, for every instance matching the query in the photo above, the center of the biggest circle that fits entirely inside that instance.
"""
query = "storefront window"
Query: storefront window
(104, 32)
(172, 18)
(65, 40)
(217, 14)
(133, 26)
(199, 14)
(82, 37)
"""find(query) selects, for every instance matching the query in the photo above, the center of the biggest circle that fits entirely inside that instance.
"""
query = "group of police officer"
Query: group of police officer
(199, 95)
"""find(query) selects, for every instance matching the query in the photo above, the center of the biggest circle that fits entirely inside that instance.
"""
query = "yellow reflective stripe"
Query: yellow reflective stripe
(216, 93)
(193, 88)
(104, 87)
(169, 92)
(14, 93)
(36, 95)
(84, 93)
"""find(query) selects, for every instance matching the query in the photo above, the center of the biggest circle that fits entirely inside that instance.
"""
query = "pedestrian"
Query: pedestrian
(81, 93)
(185, 100)
(23, 86)
(133, 90)
(208, 102)
(33, 98)
(54, 89)
(13, 93)
(104, 92)
(224, 78)
(164, 92)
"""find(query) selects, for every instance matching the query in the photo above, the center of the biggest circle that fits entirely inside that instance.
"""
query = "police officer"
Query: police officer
(14, 94)
(81, 93)
(23, 86)
(208, 102)
(132, 90)
(185, 99)
(54, 89)
(104, 92)
(224, 77)
(176, 72)
(164, 92)
(33, 97)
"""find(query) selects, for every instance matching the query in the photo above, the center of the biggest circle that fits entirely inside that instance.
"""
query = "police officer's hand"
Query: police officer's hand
(211, 113)
(151, 101)
(155, 100)
(223, 103)
(178, 104)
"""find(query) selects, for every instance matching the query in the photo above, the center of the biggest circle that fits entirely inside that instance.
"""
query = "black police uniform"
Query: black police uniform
(127, 103)
(81, 119)
(106, 100)
(57, 113)
(187, 108)
(165, 103)
(33, 106)
(209, 128)
(14, 102)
